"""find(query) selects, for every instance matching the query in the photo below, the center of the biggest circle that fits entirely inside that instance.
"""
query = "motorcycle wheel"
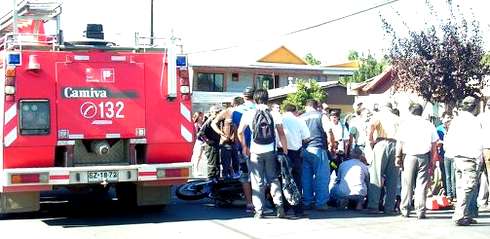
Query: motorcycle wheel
(194, 190)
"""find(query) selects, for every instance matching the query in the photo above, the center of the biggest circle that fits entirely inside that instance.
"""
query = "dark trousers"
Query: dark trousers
(212, 154)
(226, 153)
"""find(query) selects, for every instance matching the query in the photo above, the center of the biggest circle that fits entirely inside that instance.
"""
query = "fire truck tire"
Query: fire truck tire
(194, 190)
(126, 194)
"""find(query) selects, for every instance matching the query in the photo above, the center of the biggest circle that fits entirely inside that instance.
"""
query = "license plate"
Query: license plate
(100, 176)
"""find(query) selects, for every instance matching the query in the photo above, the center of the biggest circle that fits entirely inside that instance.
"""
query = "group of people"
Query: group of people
(243, 141)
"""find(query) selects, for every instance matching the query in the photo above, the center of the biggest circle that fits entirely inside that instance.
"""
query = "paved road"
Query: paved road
(89, 217)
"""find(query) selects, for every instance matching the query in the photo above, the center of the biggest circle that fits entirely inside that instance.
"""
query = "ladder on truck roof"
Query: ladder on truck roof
(27, 10)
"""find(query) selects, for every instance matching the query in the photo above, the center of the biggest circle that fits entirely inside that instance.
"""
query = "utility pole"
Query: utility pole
(151, 23)
(14, 18)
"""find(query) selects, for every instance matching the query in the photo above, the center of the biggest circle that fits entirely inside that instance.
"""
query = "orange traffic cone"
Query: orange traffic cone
(431, 204)
(442, 201)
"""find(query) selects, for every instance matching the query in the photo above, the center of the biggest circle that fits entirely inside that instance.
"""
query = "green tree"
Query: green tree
(353, 55)
(443, 62)
(368, 67)
(486, 59)
(305, 90)
(312, 60)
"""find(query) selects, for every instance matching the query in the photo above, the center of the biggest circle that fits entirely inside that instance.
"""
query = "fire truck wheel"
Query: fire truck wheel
(194, 190)
(126, 194)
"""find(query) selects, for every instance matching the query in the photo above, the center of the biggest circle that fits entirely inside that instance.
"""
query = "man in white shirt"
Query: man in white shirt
(339, 141)
(352, 181)
(358, 126)
(464, 142)
(263, 162)
(296, 132)
(416, 146)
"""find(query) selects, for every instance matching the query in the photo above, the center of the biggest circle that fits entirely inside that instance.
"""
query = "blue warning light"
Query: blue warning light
(14, 59)
(181, 61)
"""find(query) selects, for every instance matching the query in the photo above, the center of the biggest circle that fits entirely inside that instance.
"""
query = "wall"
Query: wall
(244, 79)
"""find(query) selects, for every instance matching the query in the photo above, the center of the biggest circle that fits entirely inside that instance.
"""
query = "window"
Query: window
(212, 82)
(264, 82)
(234, 76)
(34, 117)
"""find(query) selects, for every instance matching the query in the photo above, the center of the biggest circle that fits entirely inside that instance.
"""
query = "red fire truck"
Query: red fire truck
(88, 113)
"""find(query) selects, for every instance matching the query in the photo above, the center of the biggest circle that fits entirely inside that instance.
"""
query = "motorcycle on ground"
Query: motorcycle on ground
(223, 191)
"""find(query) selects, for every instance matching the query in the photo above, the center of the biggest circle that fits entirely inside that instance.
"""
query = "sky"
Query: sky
(258, 26)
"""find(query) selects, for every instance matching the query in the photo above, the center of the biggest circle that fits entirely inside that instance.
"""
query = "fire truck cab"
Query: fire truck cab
(88, 113)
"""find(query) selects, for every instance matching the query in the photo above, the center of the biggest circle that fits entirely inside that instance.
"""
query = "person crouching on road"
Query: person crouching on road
(352, 181)
(265, 125)
(414, 151)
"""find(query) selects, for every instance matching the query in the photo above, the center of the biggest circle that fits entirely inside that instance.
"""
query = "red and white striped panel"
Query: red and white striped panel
(10, 126)
(185, 132)
(147, 173)
(59, 177)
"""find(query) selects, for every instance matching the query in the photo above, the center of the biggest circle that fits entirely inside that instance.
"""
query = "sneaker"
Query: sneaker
(250, 208)
(421, 215)
(472, 221)
(462, 222)
(258, 215)
(267, 211)
(280, 212)
(404, 213)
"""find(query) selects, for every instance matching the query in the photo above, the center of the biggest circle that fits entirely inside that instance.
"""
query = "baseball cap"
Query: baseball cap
(469, 100)
(248, 91)
(358, 105)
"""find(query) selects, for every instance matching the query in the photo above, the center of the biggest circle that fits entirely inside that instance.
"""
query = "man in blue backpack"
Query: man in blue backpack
(265, 125)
